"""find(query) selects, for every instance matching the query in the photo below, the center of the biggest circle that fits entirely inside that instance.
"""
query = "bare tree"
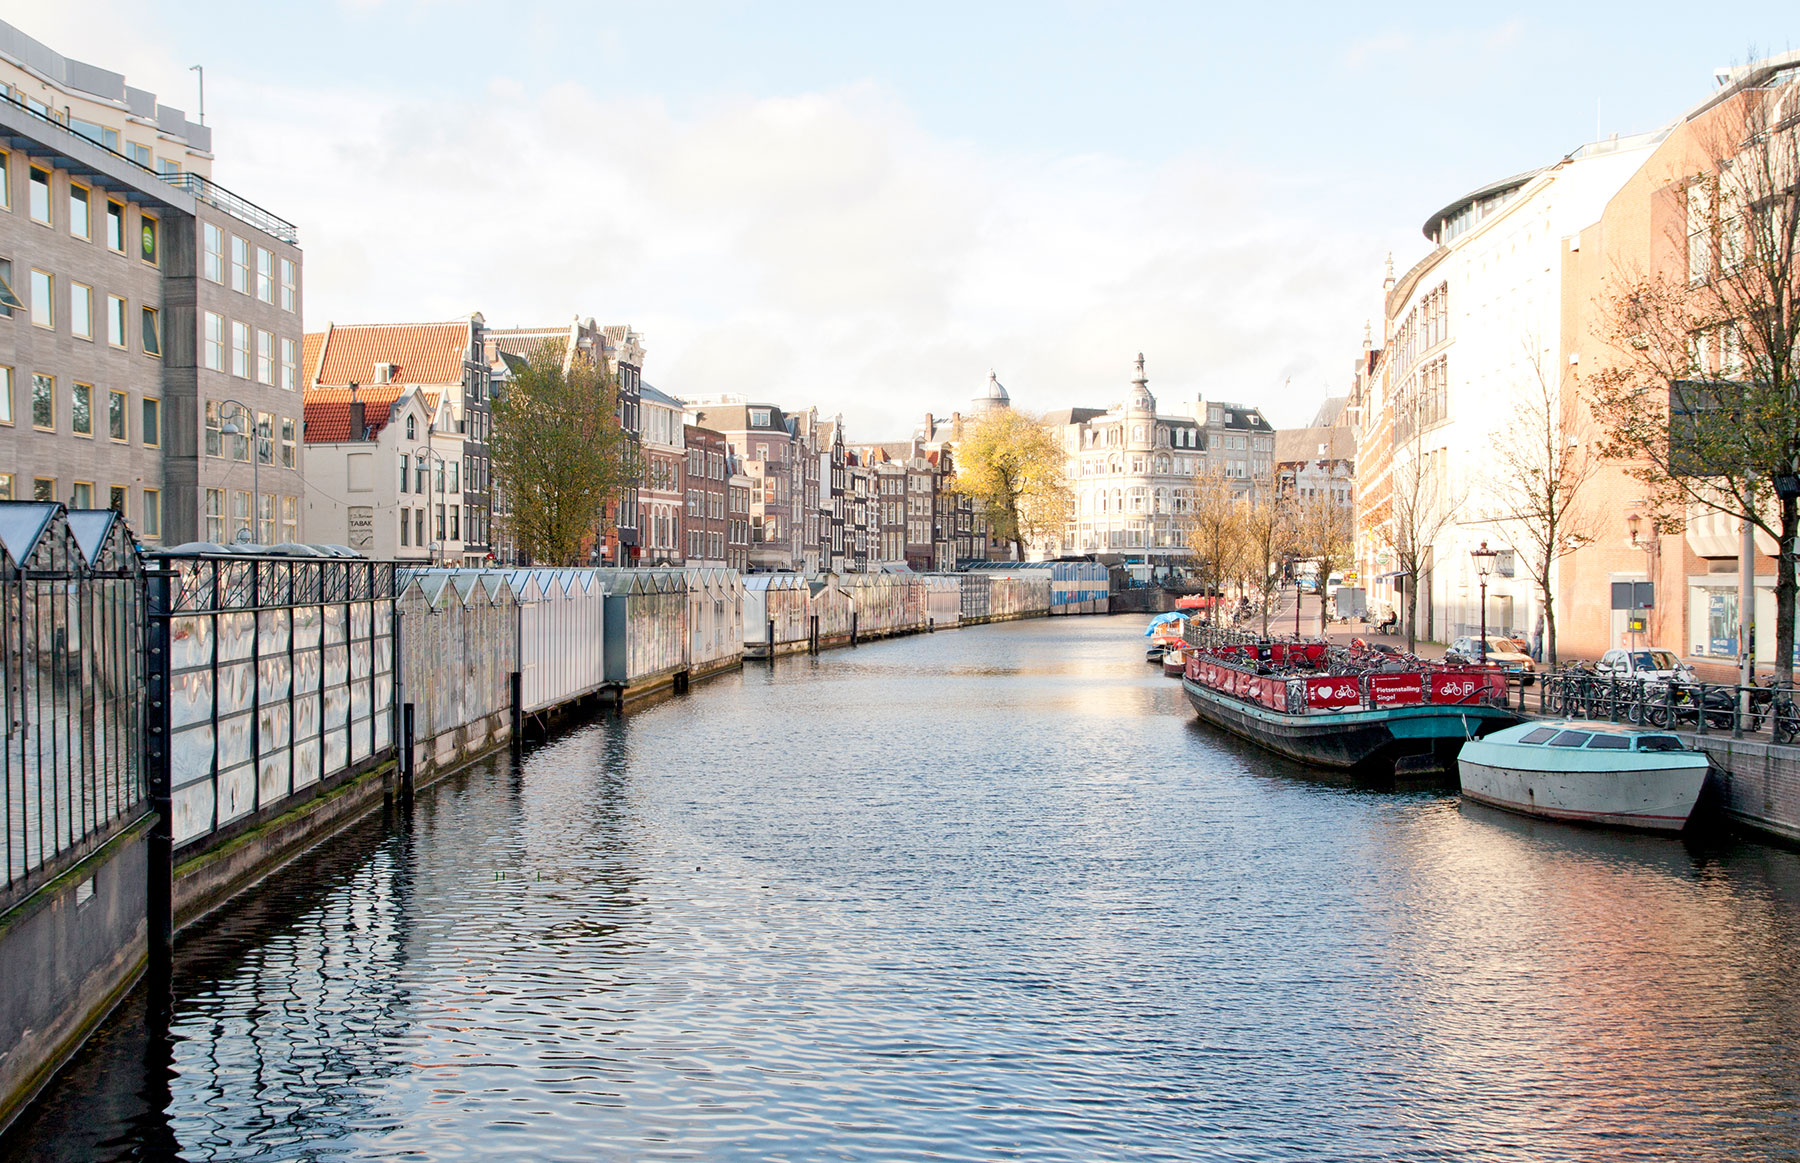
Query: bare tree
(1265, 523)
(1541, 465)
(1213, 533)
(1421, 505)
(1324, 531)
(1703, 400)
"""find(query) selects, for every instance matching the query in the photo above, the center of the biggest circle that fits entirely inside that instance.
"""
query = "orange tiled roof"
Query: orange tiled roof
(328, 411)
(422, 353)
(310, 345)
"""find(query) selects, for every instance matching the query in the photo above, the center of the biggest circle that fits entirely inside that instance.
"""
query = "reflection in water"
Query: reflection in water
(990, 894)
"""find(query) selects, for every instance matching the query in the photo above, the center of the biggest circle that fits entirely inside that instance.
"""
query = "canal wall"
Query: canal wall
(200, 719)
(1757, 783)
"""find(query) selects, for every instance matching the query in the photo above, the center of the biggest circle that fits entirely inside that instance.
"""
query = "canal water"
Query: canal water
(991, 894)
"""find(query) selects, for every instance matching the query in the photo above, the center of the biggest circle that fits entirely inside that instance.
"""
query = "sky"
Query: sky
(868, 208)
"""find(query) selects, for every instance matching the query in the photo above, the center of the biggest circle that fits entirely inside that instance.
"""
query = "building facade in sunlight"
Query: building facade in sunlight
(150, 320)
(1132, 468)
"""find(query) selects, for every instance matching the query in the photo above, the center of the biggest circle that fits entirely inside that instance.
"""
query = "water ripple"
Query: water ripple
(989, 895)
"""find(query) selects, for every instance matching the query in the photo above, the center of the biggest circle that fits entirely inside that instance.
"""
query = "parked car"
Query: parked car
(1501, 652)
(1649, 663)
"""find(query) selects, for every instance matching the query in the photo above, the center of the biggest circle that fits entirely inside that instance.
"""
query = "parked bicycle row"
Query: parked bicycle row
(1672, 701)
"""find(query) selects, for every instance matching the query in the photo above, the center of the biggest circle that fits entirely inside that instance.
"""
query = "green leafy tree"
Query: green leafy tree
(1012, 466)
(559, 453)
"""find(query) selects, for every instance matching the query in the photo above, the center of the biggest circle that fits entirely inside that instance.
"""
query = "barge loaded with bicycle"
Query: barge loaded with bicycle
(1369, 714)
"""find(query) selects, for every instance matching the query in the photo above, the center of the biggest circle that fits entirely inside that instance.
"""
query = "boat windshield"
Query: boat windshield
(1541, 735)
(1571, 739)
(1659, 743)
(1609, 743)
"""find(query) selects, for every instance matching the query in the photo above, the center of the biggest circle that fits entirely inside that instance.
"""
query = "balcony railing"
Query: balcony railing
(198, 185)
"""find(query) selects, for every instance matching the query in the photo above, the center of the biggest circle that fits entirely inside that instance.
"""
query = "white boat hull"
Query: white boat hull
(1655, 797)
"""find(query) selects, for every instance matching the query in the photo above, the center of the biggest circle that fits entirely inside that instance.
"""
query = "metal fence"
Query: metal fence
(280, 676)
(1702, 707)
(72, 594)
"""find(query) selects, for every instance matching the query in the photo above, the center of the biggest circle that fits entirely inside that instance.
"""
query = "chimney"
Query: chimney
(358, 429)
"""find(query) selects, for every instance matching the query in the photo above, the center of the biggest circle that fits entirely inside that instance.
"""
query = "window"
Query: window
(289, 446)
(81, 409)
(265, 519)
(240, 265)
(212, 253)
(115, 226)
(9, 299)
(152, 331)
(43, 489)
(240, 350)
(43, 402)
(141, 155)
(168, 167)
(265, 274)
(405, 473)
(289, 284)
(98, 134)
(265, 357)
(212, 344)
(43, 306)
(81, 495)
(215, 515)
(405, 528)
(6, 395)
(81, 223)
(81, 311)
(115, 499)
(214, 430)
(148, 235)
(265, 438)
(118, 416)
(240, 515)
(1699, 229)
(6, 487)
(40, 196)
(150, 419)
(5, 188)
(150, 517)
(289, 371)
(290, 519)
(419, 527)
(455, 525)
(115, 321)
(419, 480)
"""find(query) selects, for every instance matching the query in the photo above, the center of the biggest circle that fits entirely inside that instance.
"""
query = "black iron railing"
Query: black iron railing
(72, 611)
(1762, 710)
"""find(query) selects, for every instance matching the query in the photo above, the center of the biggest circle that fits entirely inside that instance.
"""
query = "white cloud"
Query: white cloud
(813, 248)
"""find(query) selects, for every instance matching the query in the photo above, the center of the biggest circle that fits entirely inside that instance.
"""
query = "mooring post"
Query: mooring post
(407, 755)
(516, 685)
(159, 885)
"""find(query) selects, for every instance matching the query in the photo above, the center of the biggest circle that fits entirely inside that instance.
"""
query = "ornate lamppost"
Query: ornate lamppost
(1484, 565)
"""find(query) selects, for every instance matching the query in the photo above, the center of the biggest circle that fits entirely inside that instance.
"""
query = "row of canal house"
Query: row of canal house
(398, 419)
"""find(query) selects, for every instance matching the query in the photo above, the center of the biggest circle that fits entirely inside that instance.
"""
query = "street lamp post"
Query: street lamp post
(1484, 564)
(255, 461)
(440, 544)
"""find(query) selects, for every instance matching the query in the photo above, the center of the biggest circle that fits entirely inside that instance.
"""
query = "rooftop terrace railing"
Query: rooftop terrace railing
(198, 185)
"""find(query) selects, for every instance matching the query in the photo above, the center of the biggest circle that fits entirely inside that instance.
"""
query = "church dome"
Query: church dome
(993, 396)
